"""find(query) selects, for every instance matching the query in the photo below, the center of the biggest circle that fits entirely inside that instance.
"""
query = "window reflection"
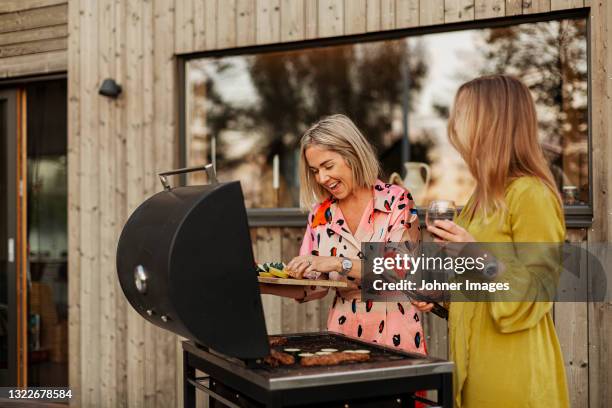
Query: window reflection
(243, 111)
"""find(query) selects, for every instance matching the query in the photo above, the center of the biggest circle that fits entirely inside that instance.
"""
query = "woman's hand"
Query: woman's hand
(448, 231)
(310, 263)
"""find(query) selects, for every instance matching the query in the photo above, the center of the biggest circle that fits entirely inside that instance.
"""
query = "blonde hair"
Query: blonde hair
(339, 134)
(493, 125)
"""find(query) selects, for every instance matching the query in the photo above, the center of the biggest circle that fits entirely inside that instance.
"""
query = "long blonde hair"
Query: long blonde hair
(339, 134)
(493, 125)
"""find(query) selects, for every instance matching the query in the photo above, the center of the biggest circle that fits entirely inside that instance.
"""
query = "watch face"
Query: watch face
(347, 264)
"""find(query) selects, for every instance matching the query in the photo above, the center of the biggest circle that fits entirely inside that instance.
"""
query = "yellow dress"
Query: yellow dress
(507, 354)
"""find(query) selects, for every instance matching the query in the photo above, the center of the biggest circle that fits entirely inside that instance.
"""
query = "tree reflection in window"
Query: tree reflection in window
(244, 110)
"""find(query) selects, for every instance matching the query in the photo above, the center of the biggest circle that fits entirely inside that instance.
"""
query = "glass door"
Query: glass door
(13, 310)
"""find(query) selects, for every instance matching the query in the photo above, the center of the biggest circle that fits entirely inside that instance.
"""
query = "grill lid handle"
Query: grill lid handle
(210, 171)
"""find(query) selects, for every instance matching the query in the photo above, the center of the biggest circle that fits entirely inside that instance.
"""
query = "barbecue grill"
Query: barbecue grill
(185, 263)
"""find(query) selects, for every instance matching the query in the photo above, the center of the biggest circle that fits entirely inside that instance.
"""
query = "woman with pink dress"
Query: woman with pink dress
(350, 205)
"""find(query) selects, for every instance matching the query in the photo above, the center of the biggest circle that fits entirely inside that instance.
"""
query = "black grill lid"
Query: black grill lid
(185, 263)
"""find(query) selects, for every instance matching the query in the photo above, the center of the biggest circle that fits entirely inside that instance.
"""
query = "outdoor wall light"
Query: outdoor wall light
(110, 88)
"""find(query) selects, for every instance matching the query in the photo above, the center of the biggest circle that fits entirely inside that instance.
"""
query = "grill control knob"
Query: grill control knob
(150, 312)
(140, 279)
(165, 318)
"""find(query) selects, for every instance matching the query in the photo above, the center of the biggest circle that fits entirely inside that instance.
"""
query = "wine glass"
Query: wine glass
(440, 210)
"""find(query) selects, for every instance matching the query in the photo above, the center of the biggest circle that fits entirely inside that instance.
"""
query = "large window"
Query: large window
(245, 113)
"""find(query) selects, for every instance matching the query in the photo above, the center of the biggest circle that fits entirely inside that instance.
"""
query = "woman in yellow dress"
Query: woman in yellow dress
(506, 353)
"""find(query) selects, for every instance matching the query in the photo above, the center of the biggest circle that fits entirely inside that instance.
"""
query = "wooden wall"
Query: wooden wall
(33, 37)
(117, 146)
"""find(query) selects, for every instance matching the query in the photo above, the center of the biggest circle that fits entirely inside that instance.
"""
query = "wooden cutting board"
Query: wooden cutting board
(302, 282)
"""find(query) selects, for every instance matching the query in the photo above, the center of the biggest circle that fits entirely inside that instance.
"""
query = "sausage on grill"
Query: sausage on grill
(277, 341)
(278, 357)
(333, 359)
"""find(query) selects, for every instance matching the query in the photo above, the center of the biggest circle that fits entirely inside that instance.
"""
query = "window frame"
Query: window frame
(576, 216)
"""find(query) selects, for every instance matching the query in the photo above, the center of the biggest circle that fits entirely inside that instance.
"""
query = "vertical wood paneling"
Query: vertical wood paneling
(311, 13)
(387, 14)
(120, 194)
(245, 24)
(373, 15)
(436, 335)
(184, 22)
(226, 23)
(536, 6)
(514, 7)
(458, 10)
(291, 310)
(90, 205)
(269, 249)
(210, 15)
(354, 16)
(74, 204)
(431, 12)
(407, 13)
(268, 21)
(135, 169)
(565, 4)
(331, 18)
(292, 20)
(200, 27)
(600, 314)
(108, 236)
(571, 318)
(489, 8)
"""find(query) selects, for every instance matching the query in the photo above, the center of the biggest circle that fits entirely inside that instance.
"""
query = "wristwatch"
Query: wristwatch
(347, 265)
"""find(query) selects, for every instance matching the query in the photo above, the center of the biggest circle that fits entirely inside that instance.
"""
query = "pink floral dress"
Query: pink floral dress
(390, 217)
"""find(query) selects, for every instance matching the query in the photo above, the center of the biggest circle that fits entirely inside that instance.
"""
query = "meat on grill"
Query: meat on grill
(277, 341)
(333, 359)
(277, 358)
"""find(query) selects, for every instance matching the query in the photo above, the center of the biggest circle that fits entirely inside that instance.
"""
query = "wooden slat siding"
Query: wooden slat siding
(33, 47)
(48, 62)
(354, 16)
(600, 314)
(36, 18)
(108, 237)
(565, 4)
(121, 212)
(246, 29)
(90, 206)
(135, 166)
(268, 21)
(489, 8)
(387, 14)
(164, 128)
(407, 13)
(431, 12)
(571, 321)
(74, 206)
(331, 18)
(226, 23)
(292, 20)
(9, 6)
(324, 307)
(536, 6)
(311, 19)
(291, 310)
(269, 250)
(199, 25)
(373, 15)
(35, 34)
(514, 7)
(458, 10)
(184, 22)
(211, 15)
